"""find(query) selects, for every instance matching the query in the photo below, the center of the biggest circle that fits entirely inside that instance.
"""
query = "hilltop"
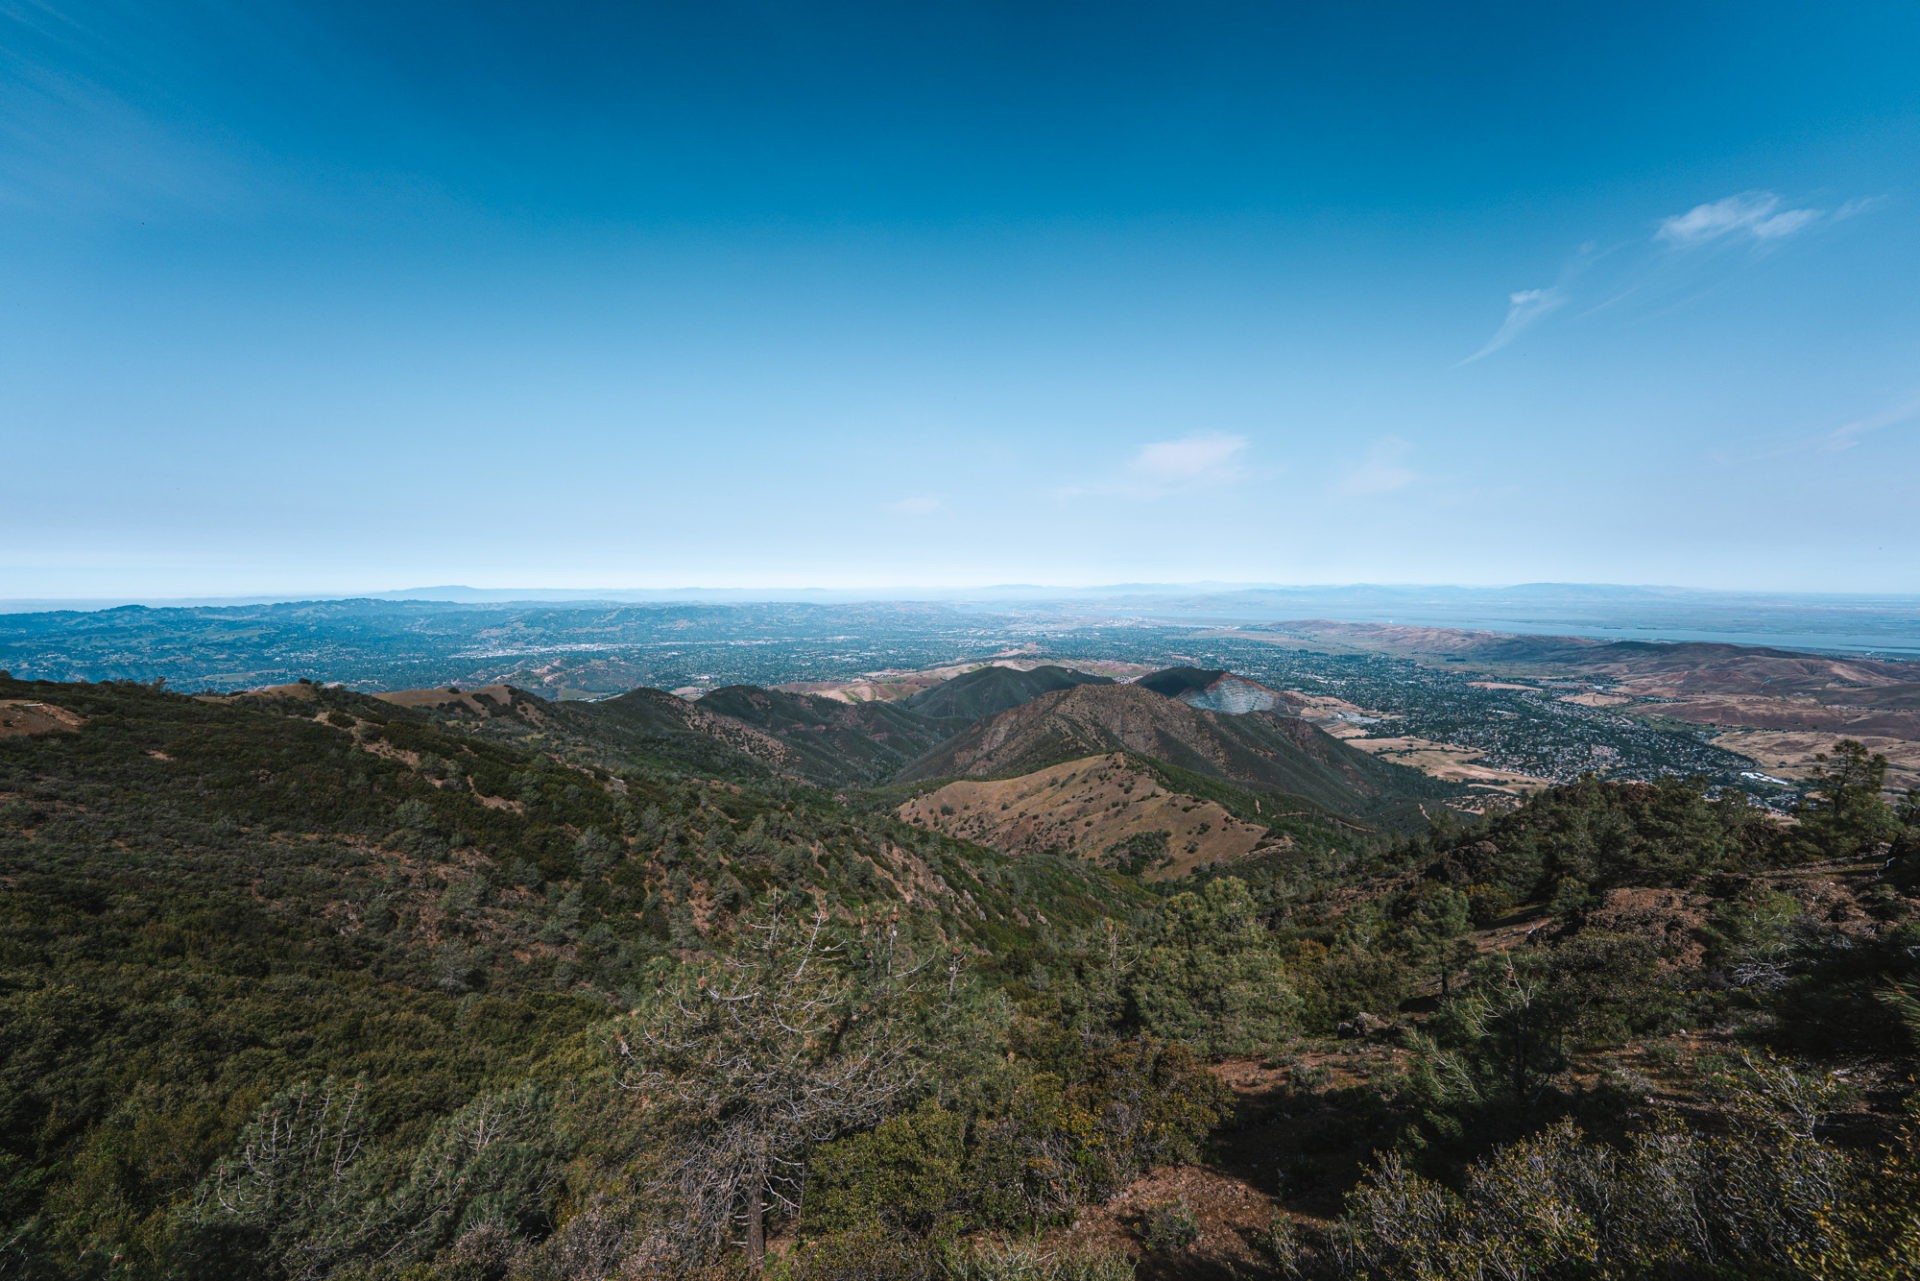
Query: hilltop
(994, 689)
(642, 727)
(1261, 750)
(1189, 792)
(1113, 809)
(829, 741)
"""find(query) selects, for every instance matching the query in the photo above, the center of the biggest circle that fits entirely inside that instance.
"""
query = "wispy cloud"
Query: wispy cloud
(1207, 459)
(1204, 460)
(1383, 471)
(1751, 213)
(915, 505)
(1525, 309)
(1647, 267)
(84, 133)
(1854, 208)
(1848, 435)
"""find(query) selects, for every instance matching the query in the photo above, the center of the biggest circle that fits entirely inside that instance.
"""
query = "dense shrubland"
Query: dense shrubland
(1761, 1194)
(314, 987)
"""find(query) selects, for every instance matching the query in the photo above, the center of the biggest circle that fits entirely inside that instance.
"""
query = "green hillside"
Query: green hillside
(1274, 753)
(203, 903)
(309, 984)
(1175, 681)
(833, 743)
(642, 728)
(988, 691)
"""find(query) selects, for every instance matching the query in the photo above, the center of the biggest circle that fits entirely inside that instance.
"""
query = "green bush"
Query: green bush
(1059, 1145)
(1348, 979)
(869, 1253)
(1603, 834)
(905, 1175)
(1037, 1160)
(1209, 975)
(1673, 1201)
(1157, 1101)
(873, 1255)
(1169, 1227)
(1279, 1243)
(986, 1261)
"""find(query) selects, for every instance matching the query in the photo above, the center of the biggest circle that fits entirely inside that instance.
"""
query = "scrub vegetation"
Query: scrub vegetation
(310, 984)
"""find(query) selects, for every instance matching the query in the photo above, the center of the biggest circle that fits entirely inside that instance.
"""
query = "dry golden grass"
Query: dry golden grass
(1790, 753)
(1597, 700)
(1444, 761)
(1082, 807)
(445, 698)
(21, 717)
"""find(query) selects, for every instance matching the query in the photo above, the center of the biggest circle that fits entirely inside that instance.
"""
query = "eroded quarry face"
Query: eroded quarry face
(1234, 695)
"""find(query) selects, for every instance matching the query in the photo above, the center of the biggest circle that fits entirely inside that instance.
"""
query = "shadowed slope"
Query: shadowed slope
(829, 742)
(988, 691)
(641, 727)
(1257, 750)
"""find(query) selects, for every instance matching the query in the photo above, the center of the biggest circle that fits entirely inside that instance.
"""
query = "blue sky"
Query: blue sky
(355, 296)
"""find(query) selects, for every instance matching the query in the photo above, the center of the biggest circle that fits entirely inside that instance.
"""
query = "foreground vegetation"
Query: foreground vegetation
(313, 986)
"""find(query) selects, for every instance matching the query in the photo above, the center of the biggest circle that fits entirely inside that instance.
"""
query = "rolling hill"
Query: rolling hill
(1037, 719)
(1112, 809)
(1672, 669)
(209, 901)
(828, 741)
(1779, 707)
(988, 691)
(640, 728)
(1256, 750)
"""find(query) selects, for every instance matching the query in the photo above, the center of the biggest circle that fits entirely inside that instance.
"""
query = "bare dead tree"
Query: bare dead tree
(750, 1062)
(292, 1175)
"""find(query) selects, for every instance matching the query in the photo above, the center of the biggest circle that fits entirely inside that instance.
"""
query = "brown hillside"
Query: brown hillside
(1086, 720)
(1264, 751)
(1779, 706)
(1647, 668)
(1084, 807)
(490, 700)
(20, 717)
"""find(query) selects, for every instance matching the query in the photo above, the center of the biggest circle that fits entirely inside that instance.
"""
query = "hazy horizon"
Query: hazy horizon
(456, 593)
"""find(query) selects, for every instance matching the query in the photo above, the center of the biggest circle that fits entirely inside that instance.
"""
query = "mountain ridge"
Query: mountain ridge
(992, 689)
(1257, 749)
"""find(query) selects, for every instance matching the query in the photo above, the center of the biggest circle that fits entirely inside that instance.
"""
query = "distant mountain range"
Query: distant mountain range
(577, 644)
(1763, 711)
